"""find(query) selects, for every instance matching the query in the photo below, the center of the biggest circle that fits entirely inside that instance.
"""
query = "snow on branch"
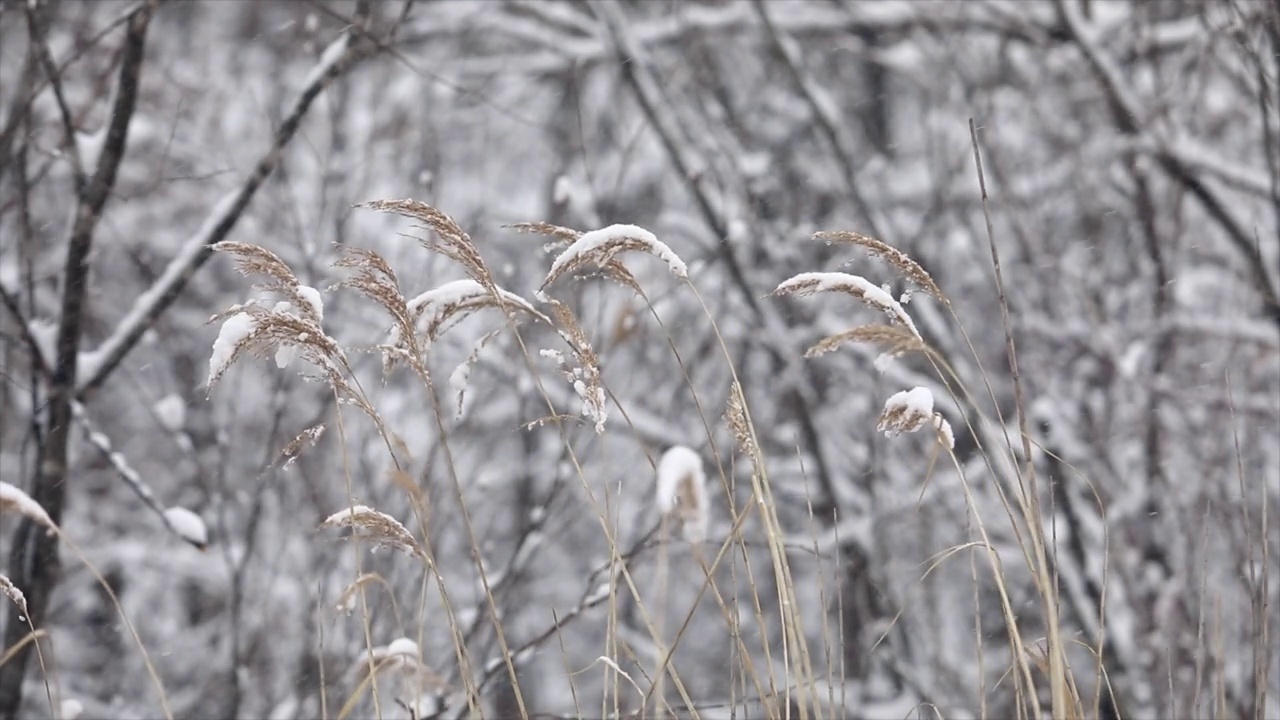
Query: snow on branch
(184, 524)
(222, 219)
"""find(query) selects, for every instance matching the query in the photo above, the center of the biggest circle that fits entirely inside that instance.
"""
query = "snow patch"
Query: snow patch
(235, 330)
(171, 411)
(188, 526)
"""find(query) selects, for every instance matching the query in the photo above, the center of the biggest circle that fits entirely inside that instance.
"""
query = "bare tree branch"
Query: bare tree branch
(197, 249)
(1126, 114)
(35, 554)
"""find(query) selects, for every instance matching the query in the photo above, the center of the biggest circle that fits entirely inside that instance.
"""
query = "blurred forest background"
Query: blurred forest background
(1132, 154)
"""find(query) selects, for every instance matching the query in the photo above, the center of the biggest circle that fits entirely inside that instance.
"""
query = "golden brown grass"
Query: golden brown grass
(781, 676)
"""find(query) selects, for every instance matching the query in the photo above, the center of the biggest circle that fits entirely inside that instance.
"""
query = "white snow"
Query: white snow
(312, 297)
(458, 381)
(70, 709)
(12, 498)
(563, 190)
(916, 402)
(45, 333)
(676, 464)
(593, 403)
(912, 409)
(402, 647)
(681, 467)
(331, 56)
(604, 237)
(188, 526)
(285, 354)
(235, 330)
(171, 411)
(947, 437)
(345, 514)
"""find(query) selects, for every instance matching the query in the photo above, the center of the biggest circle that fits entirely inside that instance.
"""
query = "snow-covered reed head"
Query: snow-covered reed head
(449, 238)
(812, 283)
(288, 329)
(454, 300)
(585, 376)
(11, 591)
(13, 499)
(682, 491)
(376, 526)
(903, 263)
(601, 248)
(911, 410)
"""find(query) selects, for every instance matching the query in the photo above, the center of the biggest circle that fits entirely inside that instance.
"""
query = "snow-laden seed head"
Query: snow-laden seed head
(906, 411)
(376, 526)
(419, 690)
(585, 377)
(281, 332)
(12, 499)
(911, 410)
(11, 591)
(450, 240)
(812, 283)
(600, 247)
(457, 299)
(682, 491)
(310, 436)
(254, 260)
(910, 269)
(735, 414)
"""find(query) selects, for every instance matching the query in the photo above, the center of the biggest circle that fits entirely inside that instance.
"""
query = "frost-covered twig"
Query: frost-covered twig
(825, 109)
(1127, 114)
(596, 593)
(184, 524)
